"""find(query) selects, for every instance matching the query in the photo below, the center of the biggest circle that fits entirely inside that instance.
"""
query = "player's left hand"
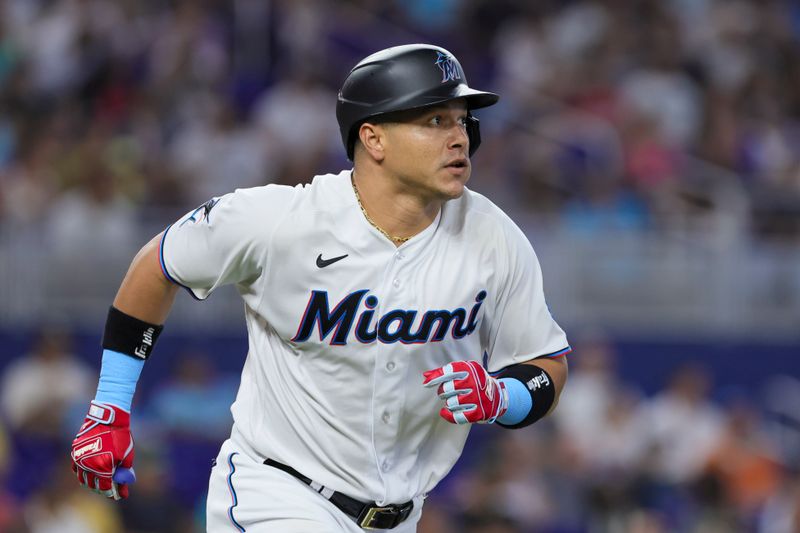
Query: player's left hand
(470, 393)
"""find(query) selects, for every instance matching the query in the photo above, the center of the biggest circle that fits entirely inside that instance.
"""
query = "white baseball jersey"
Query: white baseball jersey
(342, 324)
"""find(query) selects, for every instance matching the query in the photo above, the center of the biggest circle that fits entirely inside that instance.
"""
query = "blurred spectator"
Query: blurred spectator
(43, 398)
(781, 406)
(611, 465)
(195, 399)
(599, 418)
(523, 63)
(9, 52)
(683, 426)
(651, 164)
(436, 519)
(58, 508)
(781, 514)
(49, 40)
(193, 408)
(491, 523)
(508, 485)
(617, 448)
(605, 209)
(298, 126)
(745, 462)
(41, 389)
(303, 22)
(4, 450)
(90, 229)
(152, 507)
(10, 515)
(94, 215)
(29, 184)
(216, 152)
(189, 49)
(592, 389)
(662, 93)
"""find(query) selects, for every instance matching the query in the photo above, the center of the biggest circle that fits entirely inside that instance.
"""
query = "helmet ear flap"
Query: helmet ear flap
(474, 133)
(352, 138)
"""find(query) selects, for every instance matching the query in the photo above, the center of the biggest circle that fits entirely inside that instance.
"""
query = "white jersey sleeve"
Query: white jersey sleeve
(224, 241)
(522, 328)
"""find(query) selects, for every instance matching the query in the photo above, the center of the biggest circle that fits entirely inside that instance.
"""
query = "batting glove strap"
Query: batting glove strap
(104, 414)
(538, 383)
(470, 394)
(107, 414)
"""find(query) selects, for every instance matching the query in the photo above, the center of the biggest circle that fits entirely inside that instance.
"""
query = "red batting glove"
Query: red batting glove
(470, 393)
(103, 443)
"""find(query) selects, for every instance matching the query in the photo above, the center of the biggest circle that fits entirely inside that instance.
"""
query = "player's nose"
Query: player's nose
(458, 138)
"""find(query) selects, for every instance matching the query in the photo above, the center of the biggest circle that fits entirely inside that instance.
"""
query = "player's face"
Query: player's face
(428, 151)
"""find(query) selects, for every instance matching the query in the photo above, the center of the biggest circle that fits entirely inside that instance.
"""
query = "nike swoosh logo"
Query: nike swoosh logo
(322, 263)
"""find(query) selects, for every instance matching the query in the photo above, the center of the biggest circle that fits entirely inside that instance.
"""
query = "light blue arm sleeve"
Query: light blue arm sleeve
(119, 374)
(520, 402)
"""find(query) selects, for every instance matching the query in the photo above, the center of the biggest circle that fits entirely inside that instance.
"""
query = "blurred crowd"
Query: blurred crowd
(689, 457)
(615, 114)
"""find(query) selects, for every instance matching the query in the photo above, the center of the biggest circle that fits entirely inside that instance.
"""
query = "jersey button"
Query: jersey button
(385, 465)
(386, 417)
(390, 366)
(396, 283)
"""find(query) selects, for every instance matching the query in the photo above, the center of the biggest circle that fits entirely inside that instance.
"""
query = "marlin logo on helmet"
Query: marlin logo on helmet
(447, 66)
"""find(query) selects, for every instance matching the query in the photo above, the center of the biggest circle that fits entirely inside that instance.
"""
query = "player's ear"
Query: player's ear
(373, 138)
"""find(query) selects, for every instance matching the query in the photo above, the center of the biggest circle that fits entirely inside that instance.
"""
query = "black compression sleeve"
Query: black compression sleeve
(129, 335)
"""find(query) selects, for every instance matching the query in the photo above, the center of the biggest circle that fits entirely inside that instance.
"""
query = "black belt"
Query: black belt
(367, 515)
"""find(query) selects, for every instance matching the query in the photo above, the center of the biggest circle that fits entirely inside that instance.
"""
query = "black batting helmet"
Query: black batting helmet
(405, 77)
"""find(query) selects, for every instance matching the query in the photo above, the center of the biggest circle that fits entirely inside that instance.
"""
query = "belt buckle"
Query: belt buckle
(369, 516)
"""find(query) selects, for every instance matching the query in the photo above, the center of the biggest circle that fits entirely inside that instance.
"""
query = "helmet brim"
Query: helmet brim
(475, 99)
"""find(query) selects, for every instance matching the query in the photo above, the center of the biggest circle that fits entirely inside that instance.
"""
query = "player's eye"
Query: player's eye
(435, 120)
(463, 121)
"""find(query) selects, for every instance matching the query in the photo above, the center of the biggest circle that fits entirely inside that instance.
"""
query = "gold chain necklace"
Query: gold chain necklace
(372, 222)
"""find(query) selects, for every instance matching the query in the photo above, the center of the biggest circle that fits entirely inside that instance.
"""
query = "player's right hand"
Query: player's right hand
(103, 444)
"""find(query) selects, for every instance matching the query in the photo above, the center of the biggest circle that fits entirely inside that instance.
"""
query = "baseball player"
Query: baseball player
(388, 308)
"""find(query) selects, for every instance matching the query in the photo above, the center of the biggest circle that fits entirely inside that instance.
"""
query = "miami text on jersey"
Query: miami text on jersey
(393, 326)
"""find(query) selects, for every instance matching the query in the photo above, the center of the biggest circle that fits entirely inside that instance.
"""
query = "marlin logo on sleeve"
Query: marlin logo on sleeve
(448, 67)
(202, 213)
(397, 325)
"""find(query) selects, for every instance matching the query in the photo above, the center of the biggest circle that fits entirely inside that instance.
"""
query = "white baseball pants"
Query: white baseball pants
(245, 495)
